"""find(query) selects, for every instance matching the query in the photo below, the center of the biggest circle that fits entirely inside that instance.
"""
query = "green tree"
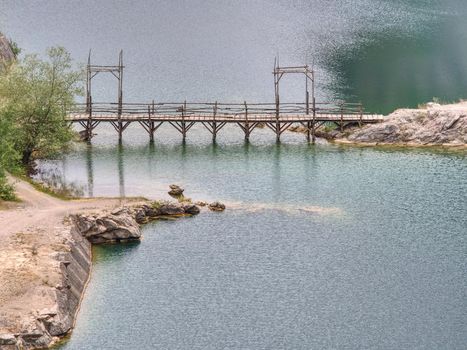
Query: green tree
(35, 95)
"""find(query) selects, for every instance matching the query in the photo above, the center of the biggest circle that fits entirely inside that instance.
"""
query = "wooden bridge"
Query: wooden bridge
(183, 116)
(214, 116)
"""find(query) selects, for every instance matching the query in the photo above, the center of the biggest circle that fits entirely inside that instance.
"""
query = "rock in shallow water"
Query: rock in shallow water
(124, 224)
(191, 209)
(216, 206)
(176, 190)
(171, 209)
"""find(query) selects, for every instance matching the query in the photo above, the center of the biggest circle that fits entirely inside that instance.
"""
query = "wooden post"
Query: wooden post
(88, 83)
(277, 78)
(307, 106)
(313, 124)
(88, 99)
(183, 121)
(120, 94)
(342, 117)
(360, 107)
(151, 125)
(307, 96)
(89, 125)
(214, 123)
(247, 124)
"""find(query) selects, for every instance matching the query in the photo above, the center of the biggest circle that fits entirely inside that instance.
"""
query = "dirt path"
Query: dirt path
(39, 210)
(31, 233)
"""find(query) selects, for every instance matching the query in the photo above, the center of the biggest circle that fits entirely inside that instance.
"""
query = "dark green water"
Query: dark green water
(392, 69)
(322, 247)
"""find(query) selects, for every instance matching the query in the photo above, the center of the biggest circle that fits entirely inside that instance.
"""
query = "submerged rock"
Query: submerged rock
(216, 206)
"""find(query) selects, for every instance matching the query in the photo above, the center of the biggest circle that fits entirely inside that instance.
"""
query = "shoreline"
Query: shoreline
(46, 242)
(433, 125)
(430, 126)
(46, 258)
(406, 145)
(63, 271)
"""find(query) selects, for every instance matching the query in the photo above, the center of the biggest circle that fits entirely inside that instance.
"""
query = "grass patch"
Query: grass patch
(62, 194)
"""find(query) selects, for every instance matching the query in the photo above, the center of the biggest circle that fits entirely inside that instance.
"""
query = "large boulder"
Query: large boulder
(117, 226)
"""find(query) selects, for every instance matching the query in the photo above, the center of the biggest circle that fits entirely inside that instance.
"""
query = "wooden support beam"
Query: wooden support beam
(342, 119)
(183, 124)
(176, 126)
(360, 109)
(284, 127)
(278, 131)
(213, 127)
(247, 125)
(214, 124)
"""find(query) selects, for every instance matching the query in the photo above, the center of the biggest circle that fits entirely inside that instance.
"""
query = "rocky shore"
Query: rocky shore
(433, 125)
(430, 125)
(54, 272)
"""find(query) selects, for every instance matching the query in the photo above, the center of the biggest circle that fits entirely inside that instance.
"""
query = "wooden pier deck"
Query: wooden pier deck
(214, 116)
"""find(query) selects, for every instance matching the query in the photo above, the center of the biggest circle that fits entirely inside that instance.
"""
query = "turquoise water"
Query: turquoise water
(322, 247)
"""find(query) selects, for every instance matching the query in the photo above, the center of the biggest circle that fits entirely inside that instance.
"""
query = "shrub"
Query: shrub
(7, 191)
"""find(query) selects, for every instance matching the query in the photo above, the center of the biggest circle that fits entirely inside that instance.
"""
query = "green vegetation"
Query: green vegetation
(34, 97)
(15, 48)
(64, 194)
(7, 192)
(157, 204)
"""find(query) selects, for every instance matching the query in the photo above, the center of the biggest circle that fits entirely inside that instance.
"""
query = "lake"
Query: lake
(321, 246)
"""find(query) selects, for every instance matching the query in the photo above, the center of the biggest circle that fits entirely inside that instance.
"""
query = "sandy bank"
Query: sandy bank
(44, 266)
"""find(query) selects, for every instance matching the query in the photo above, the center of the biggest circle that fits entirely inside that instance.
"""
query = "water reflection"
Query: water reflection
(90, 170)
(121, 170)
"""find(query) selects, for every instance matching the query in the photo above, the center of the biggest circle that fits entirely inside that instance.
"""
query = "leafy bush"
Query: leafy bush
(7, 192)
